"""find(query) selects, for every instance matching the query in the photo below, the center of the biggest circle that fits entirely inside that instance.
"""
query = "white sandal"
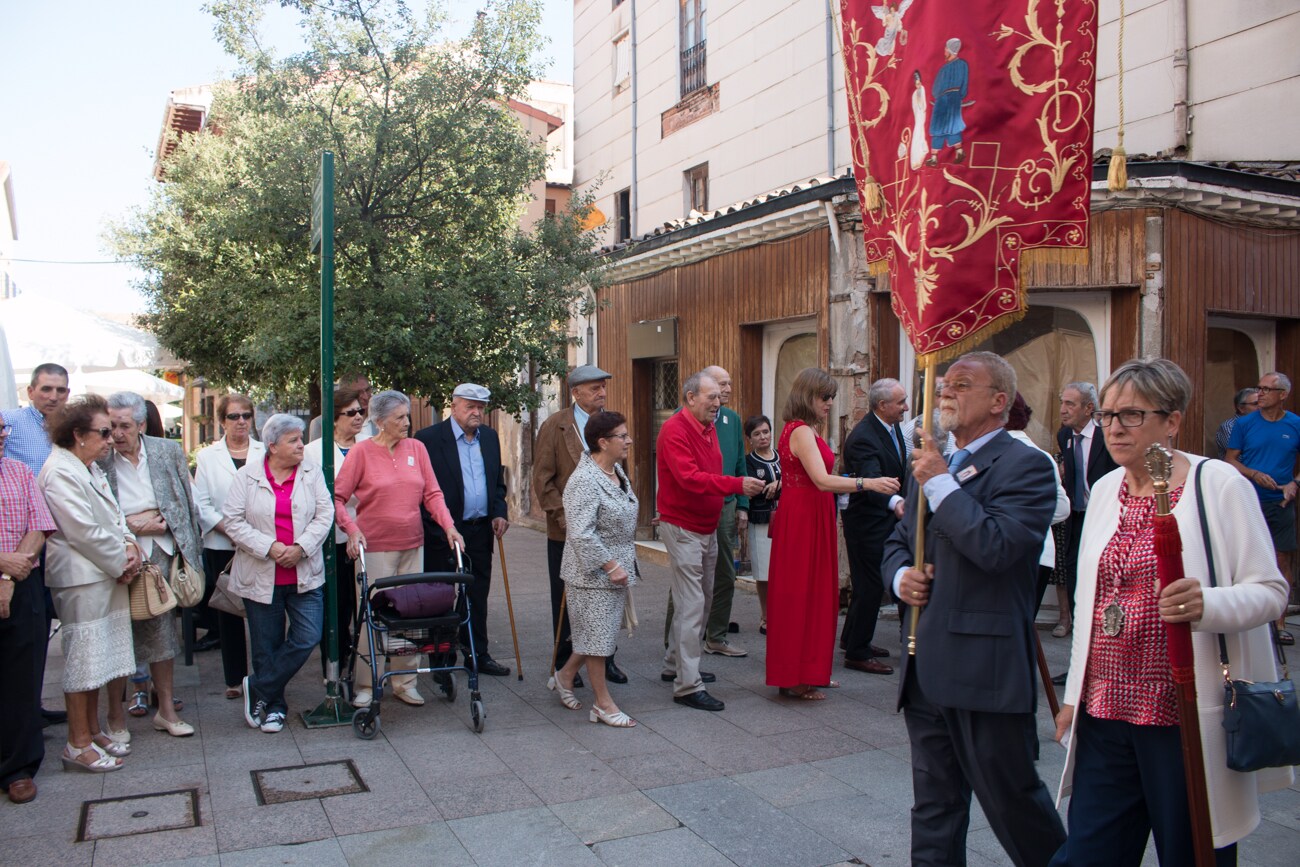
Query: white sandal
(114, 747)
(567, 698)
(617, 719)
(102, 765)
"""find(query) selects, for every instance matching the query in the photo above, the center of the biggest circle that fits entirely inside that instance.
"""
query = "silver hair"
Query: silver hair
(1158, 380)
(1000, 371)
(129, 400)
(692, 383)
(385, 403)
(280, 424)
(1244, 395)
(1283, 381)
(1087, 391)
(882, 389)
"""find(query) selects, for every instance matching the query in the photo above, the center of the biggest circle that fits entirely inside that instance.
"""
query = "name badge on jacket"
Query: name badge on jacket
(967, 474)
(410, 460)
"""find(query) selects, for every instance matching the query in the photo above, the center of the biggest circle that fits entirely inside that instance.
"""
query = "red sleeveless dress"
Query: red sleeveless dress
(803, 593)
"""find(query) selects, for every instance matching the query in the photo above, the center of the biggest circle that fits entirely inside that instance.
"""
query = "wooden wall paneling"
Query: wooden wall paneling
(885, 343)
(1124, 310)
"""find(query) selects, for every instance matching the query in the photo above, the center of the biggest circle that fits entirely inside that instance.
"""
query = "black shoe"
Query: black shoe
(699, 700)
(613, 673)
(705, 676)
(488, 665)
(53, 717)
(733, 627)
(577, 681)
(879, 652)
(208, 642)
(1060, 679)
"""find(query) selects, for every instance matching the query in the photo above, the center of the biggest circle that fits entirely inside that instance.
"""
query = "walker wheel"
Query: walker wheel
(477, 713)
(365, 723)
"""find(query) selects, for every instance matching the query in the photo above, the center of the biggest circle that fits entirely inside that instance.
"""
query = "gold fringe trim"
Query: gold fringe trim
(966, 344)
(878, 268)
(1117, 175)
(1052, 256)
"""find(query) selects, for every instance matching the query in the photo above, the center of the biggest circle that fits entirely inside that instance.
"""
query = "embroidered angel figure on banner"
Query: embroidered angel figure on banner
(891, 15)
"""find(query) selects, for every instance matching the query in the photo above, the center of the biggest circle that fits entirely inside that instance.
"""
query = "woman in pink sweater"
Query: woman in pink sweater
(391, 477)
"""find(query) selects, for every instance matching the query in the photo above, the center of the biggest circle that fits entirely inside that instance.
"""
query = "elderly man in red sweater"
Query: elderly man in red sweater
(691, 492)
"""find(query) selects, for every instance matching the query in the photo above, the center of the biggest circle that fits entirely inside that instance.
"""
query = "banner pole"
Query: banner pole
(918, 547)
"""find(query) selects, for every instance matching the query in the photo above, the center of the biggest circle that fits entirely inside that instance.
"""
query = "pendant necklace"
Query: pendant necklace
(1113, 615)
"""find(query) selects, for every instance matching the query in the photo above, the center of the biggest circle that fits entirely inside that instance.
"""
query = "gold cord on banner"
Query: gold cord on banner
(1117, 176)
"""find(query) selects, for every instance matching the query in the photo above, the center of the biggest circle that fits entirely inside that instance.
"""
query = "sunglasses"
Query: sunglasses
(238, 416)
(352, 413)
(104, 432)
(830, 396)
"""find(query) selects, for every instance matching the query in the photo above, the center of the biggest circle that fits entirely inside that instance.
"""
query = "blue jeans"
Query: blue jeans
(277, 654)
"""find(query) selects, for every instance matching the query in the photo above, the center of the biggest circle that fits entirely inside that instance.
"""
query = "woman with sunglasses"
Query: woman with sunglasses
(803, 592)
(89, 562)
(216, 468)
(1123, 766)
(349, 429)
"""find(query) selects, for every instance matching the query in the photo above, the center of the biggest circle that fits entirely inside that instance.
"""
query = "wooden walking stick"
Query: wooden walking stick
(1169, 568)
(510, 606)
(559, 625)
(1053, 705)
(918, 547)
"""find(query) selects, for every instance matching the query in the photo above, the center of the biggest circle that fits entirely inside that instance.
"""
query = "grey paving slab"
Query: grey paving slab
(744, 827)
(584, 777)
(272, 825)
(480, 795)
(431, 842)
(198, 861)
(161, 846)
(760, 715)
(786, 787)
(1281, 807)
(321, 853)
(521, 837)
(862, 825)
(814, 744)
(443, 757)
(661, 849)
(48, 850)
(875, 772)
(607, 742)
(610, 817)
(666, 767)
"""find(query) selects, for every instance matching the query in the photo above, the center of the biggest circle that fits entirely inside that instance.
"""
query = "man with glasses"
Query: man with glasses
(1263, 447)
(1245, 402)
(29, 442)
(968, 694)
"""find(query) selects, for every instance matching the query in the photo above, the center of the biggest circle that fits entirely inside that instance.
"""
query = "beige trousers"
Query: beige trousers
(693, 557)
(384, 564)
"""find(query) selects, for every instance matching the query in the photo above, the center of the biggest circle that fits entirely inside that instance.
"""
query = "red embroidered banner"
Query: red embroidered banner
(974, 118)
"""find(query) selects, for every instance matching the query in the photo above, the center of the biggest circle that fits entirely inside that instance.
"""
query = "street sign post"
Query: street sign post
(330, 712)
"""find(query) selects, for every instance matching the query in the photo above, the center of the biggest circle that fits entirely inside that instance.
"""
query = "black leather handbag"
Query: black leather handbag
(1261, 720)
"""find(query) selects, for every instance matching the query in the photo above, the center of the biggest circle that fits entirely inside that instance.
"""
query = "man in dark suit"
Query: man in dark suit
(1086, 460)
(968, 695)
(466, 458)
(874, 449)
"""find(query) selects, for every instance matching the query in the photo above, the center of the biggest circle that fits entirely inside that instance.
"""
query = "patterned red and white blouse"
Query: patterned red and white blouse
(1128, 674)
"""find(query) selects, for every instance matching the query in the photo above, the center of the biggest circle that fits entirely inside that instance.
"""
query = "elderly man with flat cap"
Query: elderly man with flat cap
(560, 444)
(466, 458)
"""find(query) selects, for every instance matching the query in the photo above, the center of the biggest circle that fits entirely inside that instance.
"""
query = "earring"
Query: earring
(82, 444)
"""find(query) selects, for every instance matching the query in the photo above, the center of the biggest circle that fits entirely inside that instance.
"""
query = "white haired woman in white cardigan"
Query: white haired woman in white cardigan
(1124, 766)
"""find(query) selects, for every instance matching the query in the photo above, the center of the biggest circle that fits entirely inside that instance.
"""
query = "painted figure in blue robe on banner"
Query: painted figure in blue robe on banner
(946, 122)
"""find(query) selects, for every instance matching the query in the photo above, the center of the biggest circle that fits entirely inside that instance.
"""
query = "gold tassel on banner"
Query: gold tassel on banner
(871, 194)
(1117, 176)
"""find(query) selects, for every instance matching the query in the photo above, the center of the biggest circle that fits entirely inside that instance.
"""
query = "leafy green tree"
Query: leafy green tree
(436, 281)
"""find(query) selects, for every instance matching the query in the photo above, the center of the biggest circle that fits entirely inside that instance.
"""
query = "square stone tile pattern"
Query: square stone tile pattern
(143, 814)
(306, 782)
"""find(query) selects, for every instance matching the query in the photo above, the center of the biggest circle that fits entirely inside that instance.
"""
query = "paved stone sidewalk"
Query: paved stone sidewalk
(769, 781)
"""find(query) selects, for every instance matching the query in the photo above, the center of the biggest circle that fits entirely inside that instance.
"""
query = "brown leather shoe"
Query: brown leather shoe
(22, 791)
(869, 666)
(878, 652)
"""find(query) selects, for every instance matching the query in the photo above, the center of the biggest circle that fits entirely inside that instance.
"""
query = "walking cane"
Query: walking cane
(1043, 672)
(559, 625)
(918, 546)
(510, 606)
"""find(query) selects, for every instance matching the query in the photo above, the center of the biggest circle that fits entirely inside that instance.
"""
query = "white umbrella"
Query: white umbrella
(42, 330)
(106, 382)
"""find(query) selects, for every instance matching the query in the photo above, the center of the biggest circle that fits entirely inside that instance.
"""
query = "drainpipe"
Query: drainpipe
(632, 196)
(1182, 120)
(830, 92)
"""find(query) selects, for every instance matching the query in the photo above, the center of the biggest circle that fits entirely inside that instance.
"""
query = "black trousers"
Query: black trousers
(479, 542)
(234, 649)
(956, 752)
(865, 553)
(23, 637)
(554, 557)
(1128, 785)
(345, 568)
(1072, 556)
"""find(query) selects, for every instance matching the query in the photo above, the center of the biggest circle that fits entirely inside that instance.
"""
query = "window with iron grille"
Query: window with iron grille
(696, 186)
(692, 46)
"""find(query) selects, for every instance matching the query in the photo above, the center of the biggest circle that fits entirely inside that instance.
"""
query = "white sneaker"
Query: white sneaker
(362, 698)
(410, 696)
(274, 722)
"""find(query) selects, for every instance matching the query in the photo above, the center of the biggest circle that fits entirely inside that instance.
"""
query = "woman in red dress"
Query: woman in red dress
(803, 594)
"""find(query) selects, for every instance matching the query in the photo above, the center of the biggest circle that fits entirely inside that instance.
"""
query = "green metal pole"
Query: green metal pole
(329, 712)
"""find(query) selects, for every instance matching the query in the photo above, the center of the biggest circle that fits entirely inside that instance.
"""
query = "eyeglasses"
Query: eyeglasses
(1127, 417)
(353, 413)
(104, 432)
(625, 437)
(961, 387)
(1265, 389)
(238, 416)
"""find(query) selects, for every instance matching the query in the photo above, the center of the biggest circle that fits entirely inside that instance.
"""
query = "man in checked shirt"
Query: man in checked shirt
(24, 524)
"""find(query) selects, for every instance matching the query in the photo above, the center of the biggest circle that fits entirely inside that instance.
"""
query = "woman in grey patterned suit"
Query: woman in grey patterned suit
(599, 561)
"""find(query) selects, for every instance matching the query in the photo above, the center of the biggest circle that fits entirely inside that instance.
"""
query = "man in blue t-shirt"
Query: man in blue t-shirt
(1263, 447)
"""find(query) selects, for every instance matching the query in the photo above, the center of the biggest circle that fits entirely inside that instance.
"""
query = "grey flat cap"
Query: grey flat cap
(587, 373)
(470, 391)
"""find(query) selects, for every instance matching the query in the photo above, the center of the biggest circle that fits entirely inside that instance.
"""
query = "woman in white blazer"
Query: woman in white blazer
(1124, 767)
(216, 468)
(89, 562)
(278, 513)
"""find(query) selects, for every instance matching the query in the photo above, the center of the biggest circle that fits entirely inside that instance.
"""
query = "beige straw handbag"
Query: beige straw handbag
(150, 594)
